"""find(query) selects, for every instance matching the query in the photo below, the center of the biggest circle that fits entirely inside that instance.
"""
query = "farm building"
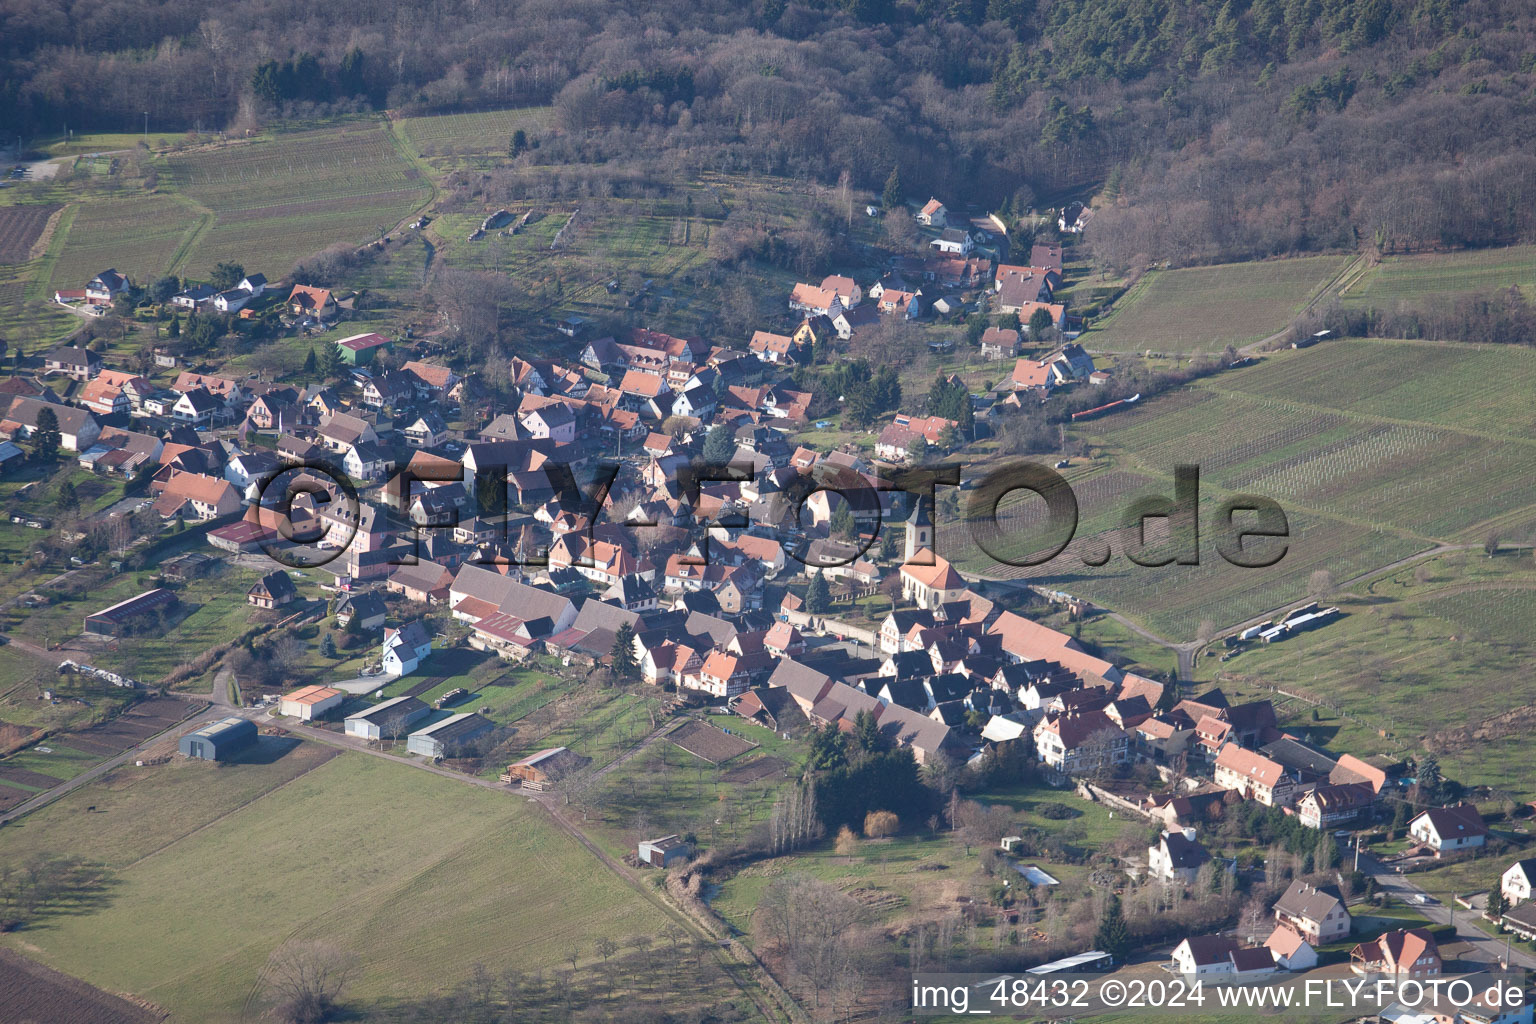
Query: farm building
(219, 741)
(387, 720)
(310, 702)
(450, 736)
(664, 852)
(117, 619)
(359, 349)
(539, 770)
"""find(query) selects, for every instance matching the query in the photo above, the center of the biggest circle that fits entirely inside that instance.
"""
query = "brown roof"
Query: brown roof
(1307, 902)
(1250, 765)
(938, 576)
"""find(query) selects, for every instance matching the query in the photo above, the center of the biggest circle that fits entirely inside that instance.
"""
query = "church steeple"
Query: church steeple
(919, 529)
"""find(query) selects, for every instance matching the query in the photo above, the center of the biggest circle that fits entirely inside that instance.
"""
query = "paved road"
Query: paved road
(1486, 947)
(200, 716)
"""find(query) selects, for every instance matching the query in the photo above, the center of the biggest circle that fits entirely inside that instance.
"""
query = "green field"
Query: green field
(1437, 276)
(1203, 309)
(216, 866)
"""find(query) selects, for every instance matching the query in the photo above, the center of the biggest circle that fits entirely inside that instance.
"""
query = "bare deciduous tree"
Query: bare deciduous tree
(305, 979)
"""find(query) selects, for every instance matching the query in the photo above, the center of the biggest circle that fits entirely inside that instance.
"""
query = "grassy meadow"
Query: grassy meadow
(214, 866)
(1411, 278)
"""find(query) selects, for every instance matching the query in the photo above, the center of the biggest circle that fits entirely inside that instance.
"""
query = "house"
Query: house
(1253, 775)
(197, 496)
(72, 361)
(1080, 741)
(1328, 807)
(387, 720)
(930, 581)
(273, 590)
(1406, 952)
(1517, 883)
(725, 675)
(1521, 920)
(430, 377)
(307, 301)
(450, 737)
(1074, 218)
(197, 408)
(953, 242)
(814, 300)
(359, 349)
(663, 852)
(932, 214)
(1449, 829)
(1290, 951)
(1176, 857)
(999, 343)
(771, 348)
(1075, 361)
(310, 702)
(1032, 375)
(105, 287)
(1205, 954)
(219, 741)
(846, 289)
(899, 303)
(193, 296)
(405, 648)
(897, 438)
(78, 429)
(1317, 915)
(367, 609)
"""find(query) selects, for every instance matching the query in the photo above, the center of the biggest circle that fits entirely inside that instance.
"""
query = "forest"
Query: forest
(1214, 131)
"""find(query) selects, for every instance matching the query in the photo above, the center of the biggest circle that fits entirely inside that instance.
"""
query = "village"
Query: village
(767, 595)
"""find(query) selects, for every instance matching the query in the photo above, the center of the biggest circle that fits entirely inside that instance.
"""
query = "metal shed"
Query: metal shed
(220, 740)
(450, 736)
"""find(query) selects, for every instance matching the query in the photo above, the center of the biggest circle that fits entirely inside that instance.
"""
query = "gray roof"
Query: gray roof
(596, 615)
(456, 727)
(396, 706)
(1307, 902)
(509, 595)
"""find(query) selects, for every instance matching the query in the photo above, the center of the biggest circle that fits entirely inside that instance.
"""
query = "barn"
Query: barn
(539, 770)
(387, 720)
(117, 619)
(310, 702)
(663, 852)
(219, 741)
(449, 737)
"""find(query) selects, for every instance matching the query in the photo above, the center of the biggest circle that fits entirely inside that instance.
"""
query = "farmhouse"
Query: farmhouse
(1449, 829)
(219, 741)
(78, 429)
(310, 702)
(105, 287)
(1253, 775)
(663, 852)
(450, 737)
(1328, 807)
(387, 720)
(119, 618)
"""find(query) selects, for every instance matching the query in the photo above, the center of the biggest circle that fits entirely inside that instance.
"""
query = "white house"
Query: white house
(1176, 856)
(1449, 829)
(1205, 954)
(1290, 950)
(1518, 881)
(405, 648)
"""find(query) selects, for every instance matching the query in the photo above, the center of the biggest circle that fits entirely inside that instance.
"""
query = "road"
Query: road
(1486, 947)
